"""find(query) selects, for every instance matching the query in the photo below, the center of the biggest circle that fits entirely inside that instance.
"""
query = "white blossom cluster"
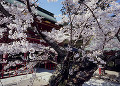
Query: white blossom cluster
(18, 23)
(16, 28)
(58, 35)
(85, 24)
(94, 57)
(96, 25)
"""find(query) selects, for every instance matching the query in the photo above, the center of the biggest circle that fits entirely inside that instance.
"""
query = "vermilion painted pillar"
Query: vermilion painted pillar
(2, 74)
(99, 71)
(45, 65)
(50, 66)
(4, 59)
(25, 57)
(5, 56)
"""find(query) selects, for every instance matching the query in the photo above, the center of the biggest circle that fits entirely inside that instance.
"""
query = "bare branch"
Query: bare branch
(34, 2)
(28, 6)
(117, 35)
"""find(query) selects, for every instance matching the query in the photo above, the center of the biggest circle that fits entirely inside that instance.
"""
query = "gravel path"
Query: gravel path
(100, 82)
(40, 78)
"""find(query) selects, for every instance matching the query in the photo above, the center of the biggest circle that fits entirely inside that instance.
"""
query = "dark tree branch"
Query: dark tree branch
(87, 67)
(28, 6)
(54, 45)
(51, 42)
(35, 2)
(6, 13)
(118, 38)
(117, 35)
(93, 16)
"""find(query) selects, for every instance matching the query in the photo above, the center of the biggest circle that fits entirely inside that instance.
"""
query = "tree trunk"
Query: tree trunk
(85, 70)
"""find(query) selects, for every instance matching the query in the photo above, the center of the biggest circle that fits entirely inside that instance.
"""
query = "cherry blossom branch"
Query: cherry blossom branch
(106, 41)
(93, 16)
(81, 30)
(6, 13)
(50, 41)
(96, 21)
(115, 35)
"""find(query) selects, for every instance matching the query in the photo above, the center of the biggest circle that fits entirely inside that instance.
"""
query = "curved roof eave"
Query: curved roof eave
(48, 17)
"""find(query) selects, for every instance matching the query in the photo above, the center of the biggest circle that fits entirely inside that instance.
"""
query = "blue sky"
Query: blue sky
(118, 1)
(53, 7)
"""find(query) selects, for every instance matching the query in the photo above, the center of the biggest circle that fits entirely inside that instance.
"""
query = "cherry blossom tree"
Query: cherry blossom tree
(94, 25)
(91, 25)
(15, 20)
